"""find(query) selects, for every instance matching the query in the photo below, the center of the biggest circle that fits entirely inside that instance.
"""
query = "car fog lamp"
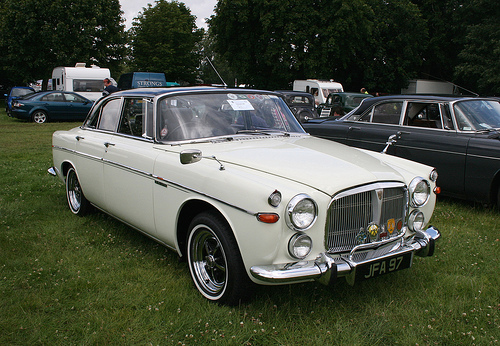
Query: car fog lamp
(300, 246)
(416, 220)
(302, 212)
(419, 191)
(434, 175)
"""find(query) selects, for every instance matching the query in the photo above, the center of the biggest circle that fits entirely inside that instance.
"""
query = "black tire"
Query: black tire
(39, 117)
(78, 204)
(215, 262)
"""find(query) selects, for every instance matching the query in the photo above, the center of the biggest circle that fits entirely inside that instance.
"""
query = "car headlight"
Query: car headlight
(416, 220)
(300, 245)
(420, 190)
(301, 212)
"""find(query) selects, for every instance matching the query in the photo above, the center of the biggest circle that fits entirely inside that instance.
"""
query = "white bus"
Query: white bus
(86, 81)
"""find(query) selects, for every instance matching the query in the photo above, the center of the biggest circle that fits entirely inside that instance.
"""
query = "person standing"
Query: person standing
(109, 88)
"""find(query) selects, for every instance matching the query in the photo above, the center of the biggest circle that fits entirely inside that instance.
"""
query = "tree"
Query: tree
(164, 38)
(479, 60)
(269, 43)
(38, 35)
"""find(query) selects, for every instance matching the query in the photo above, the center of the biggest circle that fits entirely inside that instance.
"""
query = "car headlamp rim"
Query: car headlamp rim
(301, 220)
(420, 191)
(300, 246)
(416, 220)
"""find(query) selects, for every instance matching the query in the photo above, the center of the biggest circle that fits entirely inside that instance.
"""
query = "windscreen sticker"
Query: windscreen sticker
(241, 105)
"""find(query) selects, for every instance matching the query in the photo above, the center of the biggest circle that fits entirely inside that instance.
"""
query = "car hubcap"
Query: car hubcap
(74, 192)
(39, 118)
(208, 261)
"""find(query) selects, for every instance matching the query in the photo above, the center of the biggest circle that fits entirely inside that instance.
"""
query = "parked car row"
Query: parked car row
(458, 136)
(43, 106)
(229, 180)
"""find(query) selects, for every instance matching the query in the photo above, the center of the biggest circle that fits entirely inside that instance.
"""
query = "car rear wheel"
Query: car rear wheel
(39, 117)
(215, 262)
(78, 204)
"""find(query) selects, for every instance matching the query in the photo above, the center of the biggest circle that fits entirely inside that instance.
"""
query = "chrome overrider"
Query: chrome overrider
(326, 268)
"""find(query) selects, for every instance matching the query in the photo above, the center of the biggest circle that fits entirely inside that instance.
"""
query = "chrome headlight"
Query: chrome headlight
(420, 190)
(416, 220)
(300, 245)
(301, 212)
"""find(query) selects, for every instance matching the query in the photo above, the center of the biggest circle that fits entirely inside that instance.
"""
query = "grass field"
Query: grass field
(70, 280)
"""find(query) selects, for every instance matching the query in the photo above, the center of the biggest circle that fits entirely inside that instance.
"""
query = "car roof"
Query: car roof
(152, 92)
(368, 102)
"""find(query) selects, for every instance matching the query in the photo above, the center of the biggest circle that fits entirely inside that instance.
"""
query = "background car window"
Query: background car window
(110, 115)
(131, 122)
(423, 115)
(54, 97)
(387, 113)
(74, 98)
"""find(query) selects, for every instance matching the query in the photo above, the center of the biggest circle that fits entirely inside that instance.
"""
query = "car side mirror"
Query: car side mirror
(190, 156)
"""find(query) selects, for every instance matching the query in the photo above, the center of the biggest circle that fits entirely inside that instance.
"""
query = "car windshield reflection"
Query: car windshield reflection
(190, 117)
(477, 115)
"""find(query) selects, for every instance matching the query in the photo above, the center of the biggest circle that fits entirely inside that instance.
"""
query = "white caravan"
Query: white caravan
(320, 89)
(86, 81)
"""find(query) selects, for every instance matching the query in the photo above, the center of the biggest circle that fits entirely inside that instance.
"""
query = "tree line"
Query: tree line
(377, 44)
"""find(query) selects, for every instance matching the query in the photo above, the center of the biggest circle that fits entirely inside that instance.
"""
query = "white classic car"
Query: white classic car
(230, 180)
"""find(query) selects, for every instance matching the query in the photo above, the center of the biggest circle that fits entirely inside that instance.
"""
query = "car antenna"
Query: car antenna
(210, 62)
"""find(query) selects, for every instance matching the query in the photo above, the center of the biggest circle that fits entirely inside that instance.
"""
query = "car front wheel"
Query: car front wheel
(39, 117)
(215, 262)
(77, 202)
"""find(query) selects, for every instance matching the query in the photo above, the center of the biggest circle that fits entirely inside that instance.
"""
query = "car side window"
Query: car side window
(110, 115)
(131, 122)
(54, 97)
(74, 98)
(419, 114)
(384, 113)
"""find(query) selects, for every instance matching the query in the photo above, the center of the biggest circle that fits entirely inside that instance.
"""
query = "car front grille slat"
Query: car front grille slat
(351, 213)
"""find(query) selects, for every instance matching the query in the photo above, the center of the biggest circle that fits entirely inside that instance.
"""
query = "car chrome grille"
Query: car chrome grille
(353, 213)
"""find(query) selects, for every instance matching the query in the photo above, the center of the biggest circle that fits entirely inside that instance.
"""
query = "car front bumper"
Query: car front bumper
(327, 268)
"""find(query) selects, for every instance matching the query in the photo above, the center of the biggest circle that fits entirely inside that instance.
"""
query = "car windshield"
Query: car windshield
(21, 92)
(477, 115)
(300, 100)
(195, 116)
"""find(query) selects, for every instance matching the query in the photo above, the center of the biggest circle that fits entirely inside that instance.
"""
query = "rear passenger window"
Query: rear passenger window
(384, 113)
(110, 115)
(132, 119)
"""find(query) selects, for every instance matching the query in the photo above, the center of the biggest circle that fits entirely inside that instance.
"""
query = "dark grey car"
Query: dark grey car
(459, 136)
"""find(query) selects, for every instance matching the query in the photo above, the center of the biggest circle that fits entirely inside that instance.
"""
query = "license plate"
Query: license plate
(380, 267)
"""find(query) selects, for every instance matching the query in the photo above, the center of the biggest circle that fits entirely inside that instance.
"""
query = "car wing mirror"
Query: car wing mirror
(190, 156)
(390, 141)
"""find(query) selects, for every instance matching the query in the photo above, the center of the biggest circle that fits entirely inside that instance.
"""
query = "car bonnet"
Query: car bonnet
(323, 165)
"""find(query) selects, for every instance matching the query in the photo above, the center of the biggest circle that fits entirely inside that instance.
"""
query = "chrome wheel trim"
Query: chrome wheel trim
(74, 191)
(208, 262)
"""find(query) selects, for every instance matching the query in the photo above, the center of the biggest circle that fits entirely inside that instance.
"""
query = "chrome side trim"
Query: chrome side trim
(157, 179)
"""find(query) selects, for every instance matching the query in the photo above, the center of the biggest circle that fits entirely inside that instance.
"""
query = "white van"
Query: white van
(86, 81)
(319, 88)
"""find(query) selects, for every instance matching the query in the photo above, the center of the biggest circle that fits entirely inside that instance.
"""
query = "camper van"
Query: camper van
(320, 89)
(86, 81)
(134, 80)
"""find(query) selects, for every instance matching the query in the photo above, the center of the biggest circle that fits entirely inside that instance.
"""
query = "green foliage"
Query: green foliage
(164, 38)
(480, 58)
(67, 280)
(38, 35)
(360, 43)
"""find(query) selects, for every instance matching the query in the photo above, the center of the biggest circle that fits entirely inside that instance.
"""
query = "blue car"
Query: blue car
(51, 105)
(15, 93)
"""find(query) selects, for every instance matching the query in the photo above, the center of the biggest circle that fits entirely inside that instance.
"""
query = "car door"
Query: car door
(128, 161)
(429, 136)
(91, 146)
(373, 127)
(55, 104)
(77, 107)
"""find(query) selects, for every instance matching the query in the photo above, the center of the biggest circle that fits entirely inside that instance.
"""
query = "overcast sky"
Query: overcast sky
(200, 8)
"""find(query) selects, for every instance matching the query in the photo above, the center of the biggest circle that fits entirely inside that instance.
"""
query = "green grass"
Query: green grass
(71, 280)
